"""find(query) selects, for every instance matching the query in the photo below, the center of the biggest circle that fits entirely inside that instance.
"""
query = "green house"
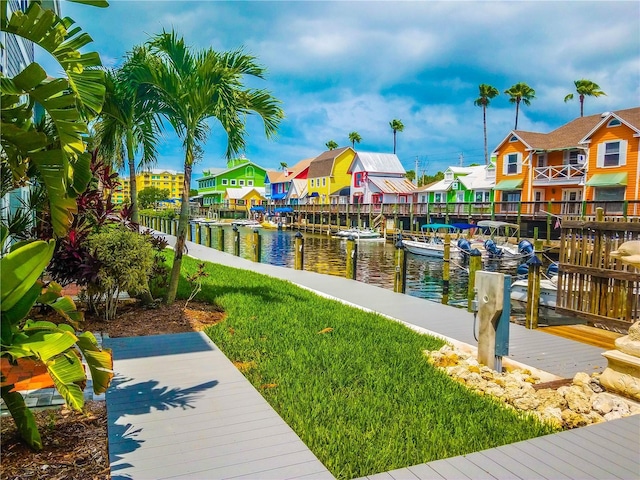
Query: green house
(463, 190)
(240, 172)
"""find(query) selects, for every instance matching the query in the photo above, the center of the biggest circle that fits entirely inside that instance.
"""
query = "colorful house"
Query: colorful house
(379, 178)
(328, 174)
(589, 158)
(239, 173)
(242, 199)
(279, 183)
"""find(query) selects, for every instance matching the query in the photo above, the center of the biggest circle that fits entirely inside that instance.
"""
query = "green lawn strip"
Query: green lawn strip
(362, 397)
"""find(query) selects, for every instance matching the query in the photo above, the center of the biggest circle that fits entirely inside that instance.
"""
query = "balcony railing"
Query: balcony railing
(572, 174)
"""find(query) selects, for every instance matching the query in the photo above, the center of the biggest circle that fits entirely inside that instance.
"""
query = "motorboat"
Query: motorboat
(359, 234)
(548, 291)
(430, 245)
(500, 241)
(246, 223)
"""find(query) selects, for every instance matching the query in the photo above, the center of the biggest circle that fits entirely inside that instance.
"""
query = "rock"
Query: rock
(572, 419)
(629, 346)
(581, 379)
(527, 402)
(634, 332)
(551, 399)
(602, 404)
(552, 415)
(578, 400)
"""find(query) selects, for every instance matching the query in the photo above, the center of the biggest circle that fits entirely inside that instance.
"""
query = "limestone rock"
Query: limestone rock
(578, 400)
(602, 404)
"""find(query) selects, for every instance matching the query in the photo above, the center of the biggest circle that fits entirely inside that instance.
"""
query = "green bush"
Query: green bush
(126, 259)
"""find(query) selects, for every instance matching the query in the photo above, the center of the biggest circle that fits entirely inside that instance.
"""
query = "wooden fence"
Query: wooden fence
(592, 284)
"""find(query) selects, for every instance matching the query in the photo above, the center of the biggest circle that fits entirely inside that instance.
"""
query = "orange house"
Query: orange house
(590, 158)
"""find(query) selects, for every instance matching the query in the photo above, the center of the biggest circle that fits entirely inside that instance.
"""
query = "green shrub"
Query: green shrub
(126, 259)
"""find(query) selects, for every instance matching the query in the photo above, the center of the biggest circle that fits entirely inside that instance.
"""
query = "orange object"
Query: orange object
(26, 375)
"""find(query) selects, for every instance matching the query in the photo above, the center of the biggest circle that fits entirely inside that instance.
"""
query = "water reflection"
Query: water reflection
(375, 261)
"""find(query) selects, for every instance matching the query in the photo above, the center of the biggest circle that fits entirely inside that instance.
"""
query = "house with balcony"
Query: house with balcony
(328, 174)
(568, 165)
(240, 173)
(613, 168)
(378, 179)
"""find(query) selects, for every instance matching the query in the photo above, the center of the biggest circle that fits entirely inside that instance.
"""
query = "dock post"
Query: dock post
(298, 260)
(400, 277)
(236, 241)
(257, 245)
(189, 232)
(209, 236)
(475, 264)
(533, 292)
(221, 239)
(446, 268)
(352, 258)
(198, 233)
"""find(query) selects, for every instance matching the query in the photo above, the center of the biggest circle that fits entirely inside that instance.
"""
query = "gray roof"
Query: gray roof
(380, 162)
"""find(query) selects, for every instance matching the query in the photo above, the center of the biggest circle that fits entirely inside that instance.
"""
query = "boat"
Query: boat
(359, 234)
(548, 291)
(430, 245)
(500, 244)
(246, 223)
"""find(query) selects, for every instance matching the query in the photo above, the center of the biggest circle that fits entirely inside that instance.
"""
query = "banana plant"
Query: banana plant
(58, 346)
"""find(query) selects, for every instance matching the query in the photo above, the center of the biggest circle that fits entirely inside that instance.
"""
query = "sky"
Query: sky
(344, 66)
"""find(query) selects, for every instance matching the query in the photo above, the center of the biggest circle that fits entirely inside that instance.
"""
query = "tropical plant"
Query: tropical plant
(126, 261)
(127, 125)
(283, 166)
(150, 196)
(397, 126)
(585, 88)
(331, 145)
(520, 93)
(487, 93)
(354, 137)
(52, 153)
(188, 89)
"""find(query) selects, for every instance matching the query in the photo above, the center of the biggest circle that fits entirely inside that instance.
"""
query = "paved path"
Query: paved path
(179, 409)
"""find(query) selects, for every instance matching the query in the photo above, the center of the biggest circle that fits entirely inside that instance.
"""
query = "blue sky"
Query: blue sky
(342, 66)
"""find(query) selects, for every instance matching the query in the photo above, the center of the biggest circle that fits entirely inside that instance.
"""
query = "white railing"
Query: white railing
(559, 174)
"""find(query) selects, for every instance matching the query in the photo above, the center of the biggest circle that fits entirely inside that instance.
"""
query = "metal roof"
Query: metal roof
(379, 162)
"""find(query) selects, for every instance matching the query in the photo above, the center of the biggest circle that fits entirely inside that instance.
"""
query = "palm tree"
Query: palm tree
(283, 166)
(354, 137)
(126, 124)
(397, 126)
(585, 88)
(487, 92)
(520, 92)
(190, 88)
(331, 145)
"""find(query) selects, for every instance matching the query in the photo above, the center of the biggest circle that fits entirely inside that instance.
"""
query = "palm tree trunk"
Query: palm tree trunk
(394, 142)
(581, 105)
(517, 111)
(133, 187)
(183, 224)
(484, 122)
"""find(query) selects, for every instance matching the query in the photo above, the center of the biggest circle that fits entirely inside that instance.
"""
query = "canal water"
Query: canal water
(375, 261)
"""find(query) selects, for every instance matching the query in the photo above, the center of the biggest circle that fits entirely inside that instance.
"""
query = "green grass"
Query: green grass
(362, 397)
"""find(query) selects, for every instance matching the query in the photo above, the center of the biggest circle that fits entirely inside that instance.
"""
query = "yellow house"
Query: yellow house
(567, 166)
(159, 178)
(329, 173)
(242, 199)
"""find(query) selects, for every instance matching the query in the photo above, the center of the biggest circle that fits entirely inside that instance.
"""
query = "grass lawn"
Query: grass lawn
(355, 386)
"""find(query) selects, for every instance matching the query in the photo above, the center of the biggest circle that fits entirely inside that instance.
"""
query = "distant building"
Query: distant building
(158, 178)
(215, 182)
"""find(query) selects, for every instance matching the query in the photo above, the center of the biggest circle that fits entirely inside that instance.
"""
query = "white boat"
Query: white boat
(431, 245)
(359, 234)
(246, 223)
(502, 236)
(548, 291)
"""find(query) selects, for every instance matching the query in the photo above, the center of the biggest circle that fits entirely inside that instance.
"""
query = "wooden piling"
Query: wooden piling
(352, 258)
(400, 277)
(198, 233)
(256, 245)
(446, 269)
(236, 241)
(298, 261)
(475, 264)
(221, 239)
(210, 236)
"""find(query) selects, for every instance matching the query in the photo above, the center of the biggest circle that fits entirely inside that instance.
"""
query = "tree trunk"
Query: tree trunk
(133, 188)
(484, 124)
(517, 111)
(581, 105)
(183, 224)
(394, 142)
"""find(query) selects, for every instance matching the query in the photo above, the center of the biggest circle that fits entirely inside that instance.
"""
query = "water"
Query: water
(375, 262)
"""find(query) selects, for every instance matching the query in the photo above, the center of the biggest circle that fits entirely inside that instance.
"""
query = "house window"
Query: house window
(448, 176)
(513, 138)
(512, 163)
(571, 157)
(241, 183)
(357, 179)
(513, 197)
(250, 183)
(612, 198)
(542, 160)
(324, 182)
(482, 196)
(612, 154)
(225, 181)
(249, 172)
(614, 122)
(437, 198)
(312, 185)
(376, 198)
(233, 182)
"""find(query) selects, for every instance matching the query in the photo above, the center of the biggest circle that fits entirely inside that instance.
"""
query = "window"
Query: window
(482, 196)
(437, 198)
(241, 183)
(612, 198)
(512, 163)
(513, 138)
(376, 198)
(513, 197)
(233, 182)
(542, 160)
(250, 183)
(225, 181)
(612, 154)
(614, 122)
(324, 182)
(241, 202)
(448, 176)
(312, 182)
(571, 157)
(357, 179)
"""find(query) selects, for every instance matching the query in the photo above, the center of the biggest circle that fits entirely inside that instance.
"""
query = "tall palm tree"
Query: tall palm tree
(487, 92)
(354, 137)
(397, 126)
(127, 125)
(520, 93)
(283, 166)
(585, 88)
(331, 145)
(190, 88)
